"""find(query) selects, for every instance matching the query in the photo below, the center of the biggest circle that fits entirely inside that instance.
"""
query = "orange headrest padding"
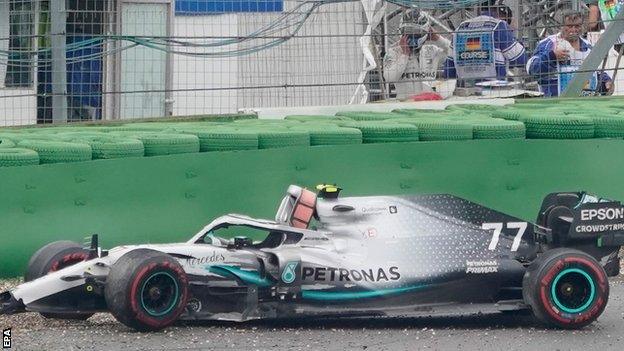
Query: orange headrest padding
(303, 209)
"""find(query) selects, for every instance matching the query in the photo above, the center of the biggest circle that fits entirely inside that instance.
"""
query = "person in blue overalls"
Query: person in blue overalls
(558, 56)
(485, 46)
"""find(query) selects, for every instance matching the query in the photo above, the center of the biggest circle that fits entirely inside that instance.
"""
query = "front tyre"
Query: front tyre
(566, 288)
(51, 258)
(146, 290)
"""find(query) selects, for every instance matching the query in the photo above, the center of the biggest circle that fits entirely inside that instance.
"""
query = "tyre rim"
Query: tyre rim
(573, 290)
(159, 294)
(67, 261)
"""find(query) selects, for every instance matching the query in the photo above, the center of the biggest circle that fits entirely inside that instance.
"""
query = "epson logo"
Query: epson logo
(602, 214)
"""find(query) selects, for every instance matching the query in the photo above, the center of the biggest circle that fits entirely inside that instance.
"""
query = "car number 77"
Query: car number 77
(498, 228)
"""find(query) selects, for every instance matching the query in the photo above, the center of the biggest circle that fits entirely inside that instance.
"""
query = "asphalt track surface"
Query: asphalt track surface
(488, 332)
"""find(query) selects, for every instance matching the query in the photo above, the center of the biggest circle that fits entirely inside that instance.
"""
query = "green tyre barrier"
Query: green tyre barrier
(558, 127)
(40, 203)
(269, 123)
(162, 127)
(473, 107)
(368, 115)
(535, 105)
(275, 138)
(468, 118)
(158, 144)
(331, 135)
(416, 112)
(12, 138)
(6, 143)
(615, 107)
(140, 129)
(436, 129)
(108, 147)
(498, 129)
(607, 126)
(17, 137)
(69, 136)
(224, 139)
(11, 157)
(377, 132)
(218, 118)
(512, 114)
(312, 118)
(57, 151)
(583, 111)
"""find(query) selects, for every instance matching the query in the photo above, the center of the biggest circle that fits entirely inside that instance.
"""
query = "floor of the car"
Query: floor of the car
(444, 309)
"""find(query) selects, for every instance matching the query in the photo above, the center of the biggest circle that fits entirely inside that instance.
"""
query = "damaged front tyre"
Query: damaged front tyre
(51, 258)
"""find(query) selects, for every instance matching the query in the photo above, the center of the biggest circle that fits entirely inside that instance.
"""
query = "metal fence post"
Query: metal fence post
(58, 19)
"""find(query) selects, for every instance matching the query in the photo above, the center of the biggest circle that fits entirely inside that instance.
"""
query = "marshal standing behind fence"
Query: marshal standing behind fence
(412, 63)
(558, 56)
(484, 47)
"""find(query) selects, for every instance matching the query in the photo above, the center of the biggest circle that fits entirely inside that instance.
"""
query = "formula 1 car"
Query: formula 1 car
(329, 256)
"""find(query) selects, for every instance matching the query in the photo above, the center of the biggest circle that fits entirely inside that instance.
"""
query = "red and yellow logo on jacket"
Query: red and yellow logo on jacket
(473, 43)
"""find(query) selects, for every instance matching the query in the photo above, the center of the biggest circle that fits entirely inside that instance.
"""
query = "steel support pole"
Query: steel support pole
(169, 100)
(58, 19)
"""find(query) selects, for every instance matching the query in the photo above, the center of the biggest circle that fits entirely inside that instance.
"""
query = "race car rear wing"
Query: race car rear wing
(582, 217)
(585, 222)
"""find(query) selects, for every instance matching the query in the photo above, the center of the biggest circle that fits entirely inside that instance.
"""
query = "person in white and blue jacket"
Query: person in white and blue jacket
(411, 63)
(485, 46)
(558, 56)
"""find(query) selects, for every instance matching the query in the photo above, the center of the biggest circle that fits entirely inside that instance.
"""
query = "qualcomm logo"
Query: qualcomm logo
(288, 274)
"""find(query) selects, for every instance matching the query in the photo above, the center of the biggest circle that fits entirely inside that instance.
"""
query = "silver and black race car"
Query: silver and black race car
(331, 256)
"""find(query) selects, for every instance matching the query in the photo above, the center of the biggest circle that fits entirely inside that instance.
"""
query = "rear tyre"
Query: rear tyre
(51, 258)
(146, 290)
(566, 288)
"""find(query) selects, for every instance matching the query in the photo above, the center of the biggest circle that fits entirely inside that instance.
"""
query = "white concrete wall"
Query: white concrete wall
(142, 68)
(17, 110)
(325, 54)
(311, 62)
(205, 73)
